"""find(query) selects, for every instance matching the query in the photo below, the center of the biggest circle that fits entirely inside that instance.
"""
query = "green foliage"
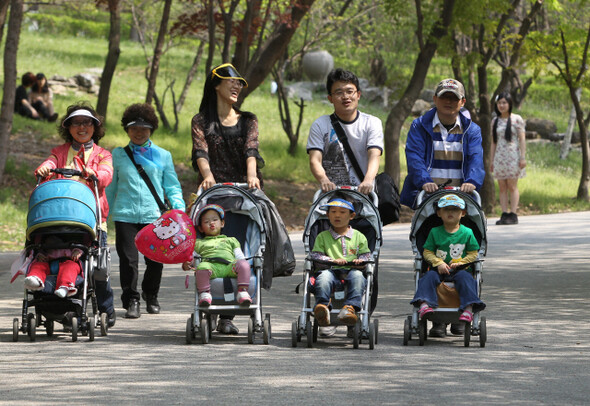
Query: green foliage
(52, 24)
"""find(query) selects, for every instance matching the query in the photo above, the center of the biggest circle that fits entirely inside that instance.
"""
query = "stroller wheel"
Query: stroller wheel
(251, 330)
(265, 330)
(293, 334)
(371, 336)
(356, 335)
(421, 332)
(104, 327)
(15, 330)
(204, 330)
(189, 330)
(74, 328)
(483, 332)
(407, 330)
(376, 324)
(309, 332)
(316, 328)
(91, 329)
(467, 334)
(32, 326)
(49, 327)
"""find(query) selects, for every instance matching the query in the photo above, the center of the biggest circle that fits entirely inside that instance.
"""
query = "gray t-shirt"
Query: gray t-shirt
(365, 132)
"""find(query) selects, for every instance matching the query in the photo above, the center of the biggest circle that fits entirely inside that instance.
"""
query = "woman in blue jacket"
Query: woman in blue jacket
(133, 206)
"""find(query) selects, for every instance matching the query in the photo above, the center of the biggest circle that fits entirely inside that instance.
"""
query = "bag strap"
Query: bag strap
(163, 207)
(342, 138)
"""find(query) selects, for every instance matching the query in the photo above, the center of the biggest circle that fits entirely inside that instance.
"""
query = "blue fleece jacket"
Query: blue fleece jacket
(129, 198)
(420, 154)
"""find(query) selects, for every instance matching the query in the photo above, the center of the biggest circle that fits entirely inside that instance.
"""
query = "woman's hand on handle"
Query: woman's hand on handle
(253, 182)
(208, 182)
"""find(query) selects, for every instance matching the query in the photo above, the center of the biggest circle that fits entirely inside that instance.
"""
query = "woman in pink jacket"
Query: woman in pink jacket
(82, 129)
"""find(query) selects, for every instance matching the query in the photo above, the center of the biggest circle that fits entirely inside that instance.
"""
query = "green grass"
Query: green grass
(549, 187)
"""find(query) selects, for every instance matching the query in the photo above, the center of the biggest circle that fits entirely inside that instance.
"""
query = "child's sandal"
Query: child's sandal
(424, 310)
(466, 316)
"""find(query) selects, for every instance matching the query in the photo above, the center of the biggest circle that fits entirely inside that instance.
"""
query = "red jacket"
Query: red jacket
(100, 161)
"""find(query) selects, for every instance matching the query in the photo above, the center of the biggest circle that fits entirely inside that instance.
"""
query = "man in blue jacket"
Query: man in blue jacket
(443, 145)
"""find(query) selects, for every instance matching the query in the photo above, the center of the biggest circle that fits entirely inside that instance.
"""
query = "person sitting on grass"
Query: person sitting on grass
(446, 248)
(221, 256)
(341, 244)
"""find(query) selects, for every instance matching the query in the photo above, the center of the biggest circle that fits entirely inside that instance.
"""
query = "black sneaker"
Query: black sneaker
(503, 219)
(151, 303)
(133, 311)
(438, 330)
(111, 319)
(457, 329)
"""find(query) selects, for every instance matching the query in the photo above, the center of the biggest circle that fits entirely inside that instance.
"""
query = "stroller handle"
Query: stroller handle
(372, 195)
(423, 194)
(241, 185)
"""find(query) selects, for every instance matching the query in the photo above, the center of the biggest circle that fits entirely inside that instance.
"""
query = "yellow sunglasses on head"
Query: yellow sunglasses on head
(227, 71)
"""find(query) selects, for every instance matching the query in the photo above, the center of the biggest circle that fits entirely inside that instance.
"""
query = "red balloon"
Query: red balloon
(168, 240)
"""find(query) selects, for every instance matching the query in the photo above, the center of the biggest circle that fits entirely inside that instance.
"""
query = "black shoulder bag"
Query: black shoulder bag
(163, 206)
(385, 188)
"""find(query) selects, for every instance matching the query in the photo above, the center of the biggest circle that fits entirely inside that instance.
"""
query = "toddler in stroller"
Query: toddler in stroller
(448, 273)
(228, 266)
(339, 269)
(63, 227)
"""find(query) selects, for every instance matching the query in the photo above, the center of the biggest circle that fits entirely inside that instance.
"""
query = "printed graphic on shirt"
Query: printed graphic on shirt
(333, 161)
(456, 252)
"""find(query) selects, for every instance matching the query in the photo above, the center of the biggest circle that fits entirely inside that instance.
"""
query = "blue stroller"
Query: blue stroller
(69, 210)
(368, 222)
(424, 219)
(243, 220)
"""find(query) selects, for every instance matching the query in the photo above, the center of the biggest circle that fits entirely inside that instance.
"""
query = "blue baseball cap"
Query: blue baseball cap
(207, 207)
(451, 200)
(338, 203)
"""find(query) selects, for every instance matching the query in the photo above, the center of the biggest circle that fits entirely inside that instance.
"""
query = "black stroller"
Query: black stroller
(69, 210)
(368, 222)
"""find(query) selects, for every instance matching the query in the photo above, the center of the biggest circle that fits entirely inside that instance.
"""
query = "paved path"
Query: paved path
(536, 285)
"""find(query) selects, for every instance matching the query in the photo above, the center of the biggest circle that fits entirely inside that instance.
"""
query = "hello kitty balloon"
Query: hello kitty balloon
(168, 240)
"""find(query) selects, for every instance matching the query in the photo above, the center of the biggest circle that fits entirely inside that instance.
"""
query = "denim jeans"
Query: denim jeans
(465, 285)
(355, 287)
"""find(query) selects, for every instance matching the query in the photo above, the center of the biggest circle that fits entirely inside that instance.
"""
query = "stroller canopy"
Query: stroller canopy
(62, 202)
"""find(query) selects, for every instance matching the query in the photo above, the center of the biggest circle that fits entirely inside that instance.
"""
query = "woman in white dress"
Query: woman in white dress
(508, 156)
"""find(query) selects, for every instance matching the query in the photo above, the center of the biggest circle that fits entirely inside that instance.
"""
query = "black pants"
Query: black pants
(128, 264)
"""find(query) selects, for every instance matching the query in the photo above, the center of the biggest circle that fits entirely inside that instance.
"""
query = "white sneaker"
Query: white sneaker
(61, 292)
(244, 298)
(33, 283)
(205, 299)
(327, 331)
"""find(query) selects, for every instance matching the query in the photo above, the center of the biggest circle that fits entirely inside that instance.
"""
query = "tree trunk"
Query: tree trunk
(9, 91)
(261, 64)
(488, 190)
(211, 34)
(3, 11)
(158, 52)
(403, 107)
(112, 58)
(189, 77)
(567, 139)
(241, 55)
(585, 178)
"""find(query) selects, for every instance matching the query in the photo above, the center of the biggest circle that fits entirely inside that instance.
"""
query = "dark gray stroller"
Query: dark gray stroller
(424, 219)
(367, 221)
(245, 222)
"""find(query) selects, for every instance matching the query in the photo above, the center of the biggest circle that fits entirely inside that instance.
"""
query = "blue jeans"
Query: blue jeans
(355, 284)
(465, 285)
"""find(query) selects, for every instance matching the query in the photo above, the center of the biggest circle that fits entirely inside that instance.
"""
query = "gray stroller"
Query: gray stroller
(245, 222)
(368, 222)
(424, 219)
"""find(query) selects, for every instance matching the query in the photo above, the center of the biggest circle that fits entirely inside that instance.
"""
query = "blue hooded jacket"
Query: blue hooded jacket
(420, 154)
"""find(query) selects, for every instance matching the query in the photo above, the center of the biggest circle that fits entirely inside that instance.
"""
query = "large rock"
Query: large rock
(317, 64)
(545, 128)
(420, 107)
(85, 80)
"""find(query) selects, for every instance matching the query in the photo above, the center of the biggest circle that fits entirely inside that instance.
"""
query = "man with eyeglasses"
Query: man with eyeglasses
(328, 160)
